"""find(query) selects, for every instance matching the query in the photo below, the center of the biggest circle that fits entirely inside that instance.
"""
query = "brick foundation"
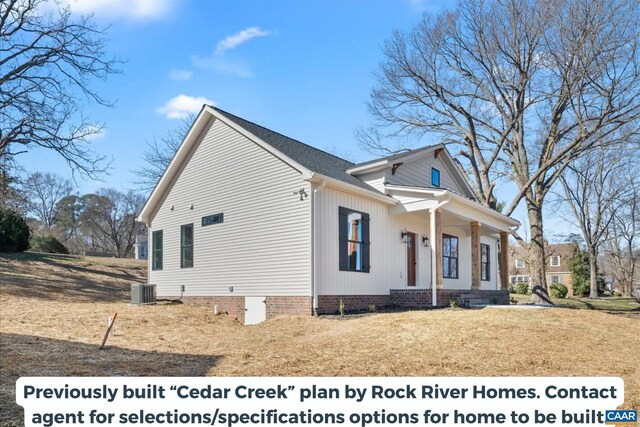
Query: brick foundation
(233, 306)
(276, 305)
(421, 298)
(330, 304)
(288, 306)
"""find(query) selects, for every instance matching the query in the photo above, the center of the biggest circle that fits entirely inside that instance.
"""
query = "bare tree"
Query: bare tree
(110, 217)
(623, 234)
(48, 59)
(594, 193)
(519, 88)
(158, 154)
(43, 192)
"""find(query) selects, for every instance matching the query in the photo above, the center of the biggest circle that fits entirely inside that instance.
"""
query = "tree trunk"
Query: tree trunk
(593, 272)
(537, 256)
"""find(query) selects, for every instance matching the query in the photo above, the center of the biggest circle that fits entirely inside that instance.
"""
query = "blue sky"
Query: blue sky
(303, 68)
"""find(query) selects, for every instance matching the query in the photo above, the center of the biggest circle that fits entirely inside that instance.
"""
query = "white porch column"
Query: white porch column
(435, 244)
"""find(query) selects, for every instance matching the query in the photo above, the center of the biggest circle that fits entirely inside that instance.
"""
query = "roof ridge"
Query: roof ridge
(283, 135)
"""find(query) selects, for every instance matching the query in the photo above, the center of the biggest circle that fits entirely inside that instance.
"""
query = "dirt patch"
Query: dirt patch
(60, 334)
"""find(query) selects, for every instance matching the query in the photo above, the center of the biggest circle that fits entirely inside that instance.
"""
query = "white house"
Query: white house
(141, 247)
(259, 225)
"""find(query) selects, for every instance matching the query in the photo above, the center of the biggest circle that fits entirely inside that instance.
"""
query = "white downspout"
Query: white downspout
(314, 253)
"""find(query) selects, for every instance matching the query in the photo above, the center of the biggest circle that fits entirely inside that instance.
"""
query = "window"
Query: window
(519, 279)
(555, 279)
(354, 240)
(156, 262)
(485, 262)
(186, 246)
(449, 257)
(519, 263)
(142, 250)
(212, 219)
(435, 177)
(555, 261)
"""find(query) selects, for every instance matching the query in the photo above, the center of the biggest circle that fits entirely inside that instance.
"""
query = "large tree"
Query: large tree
(595, 187)
(48, 62)
(623, 234)
(520, 88)
(110, 217)
(158, 154)
(43, 192)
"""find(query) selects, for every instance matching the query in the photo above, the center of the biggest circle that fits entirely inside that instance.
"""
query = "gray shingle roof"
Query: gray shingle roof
(311, 158)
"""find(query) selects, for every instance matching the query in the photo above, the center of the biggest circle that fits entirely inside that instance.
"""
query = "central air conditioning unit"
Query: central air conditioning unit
(143, 294)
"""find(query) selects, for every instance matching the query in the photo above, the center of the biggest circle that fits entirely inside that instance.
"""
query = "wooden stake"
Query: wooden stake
(106, 335)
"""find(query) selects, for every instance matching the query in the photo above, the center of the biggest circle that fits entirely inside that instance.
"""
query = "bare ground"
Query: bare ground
(53, 313)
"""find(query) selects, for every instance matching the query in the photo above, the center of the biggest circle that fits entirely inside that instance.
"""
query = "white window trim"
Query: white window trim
(553, 258)
(519, 263)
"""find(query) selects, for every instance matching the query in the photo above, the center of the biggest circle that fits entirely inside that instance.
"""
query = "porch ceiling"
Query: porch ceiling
(456, 210)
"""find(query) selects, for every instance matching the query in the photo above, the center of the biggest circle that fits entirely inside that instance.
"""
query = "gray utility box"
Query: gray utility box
(143, 294)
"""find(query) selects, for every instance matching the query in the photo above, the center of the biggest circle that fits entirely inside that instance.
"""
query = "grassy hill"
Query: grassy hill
(54, 311)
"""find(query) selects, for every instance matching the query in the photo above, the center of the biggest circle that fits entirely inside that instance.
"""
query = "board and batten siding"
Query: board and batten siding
(388, 257)
(263, 247)
(418, 173)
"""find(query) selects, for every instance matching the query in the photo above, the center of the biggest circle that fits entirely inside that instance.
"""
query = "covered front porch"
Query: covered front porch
(464, 250)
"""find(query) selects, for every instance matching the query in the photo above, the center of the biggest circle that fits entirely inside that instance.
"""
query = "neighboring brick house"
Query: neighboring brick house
(557, 268)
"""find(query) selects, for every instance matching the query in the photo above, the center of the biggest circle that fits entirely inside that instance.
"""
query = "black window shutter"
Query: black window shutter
(343, 227)
(366, 244)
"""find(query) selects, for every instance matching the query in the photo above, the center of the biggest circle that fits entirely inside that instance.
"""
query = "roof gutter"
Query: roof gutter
(317, 178)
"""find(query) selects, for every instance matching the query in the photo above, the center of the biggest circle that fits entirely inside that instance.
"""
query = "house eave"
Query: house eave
(317, 178)
(446, 194)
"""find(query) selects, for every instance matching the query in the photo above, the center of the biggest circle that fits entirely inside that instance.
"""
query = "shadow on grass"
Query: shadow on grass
(27, 355)
(48, 276)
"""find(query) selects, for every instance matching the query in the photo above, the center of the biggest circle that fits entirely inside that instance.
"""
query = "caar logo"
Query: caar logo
(622, 417)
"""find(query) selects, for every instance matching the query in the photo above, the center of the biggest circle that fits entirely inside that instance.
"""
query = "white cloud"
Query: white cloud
(175, 74)
(128, 9)
(235, 40)
(95, 132)
(183, 105)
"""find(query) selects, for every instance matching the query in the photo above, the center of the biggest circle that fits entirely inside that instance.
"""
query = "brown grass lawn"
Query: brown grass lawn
(54, 311)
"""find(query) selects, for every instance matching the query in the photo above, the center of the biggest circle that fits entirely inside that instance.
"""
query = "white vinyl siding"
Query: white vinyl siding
(418, 173)
(388, 253)
(263, 245)
(375, 179)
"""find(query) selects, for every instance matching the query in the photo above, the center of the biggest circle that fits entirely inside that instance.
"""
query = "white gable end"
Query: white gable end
(417, 172)
(262, 247)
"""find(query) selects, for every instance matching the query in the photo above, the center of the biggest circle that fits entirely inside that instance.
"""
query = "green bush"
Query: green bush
(48, 244)
(581, 287)
(579, 267)
(14, 232)
(558, 290)
(520, 288)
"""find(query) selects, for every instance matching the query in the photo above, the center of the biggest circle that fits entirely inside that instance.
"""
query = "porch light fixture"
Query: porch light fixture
(404, 236)
(425, 241)
(303, 194)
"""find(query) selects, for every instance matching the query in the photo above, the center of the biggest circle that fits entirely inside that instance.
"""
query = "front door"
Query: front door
(411, 259)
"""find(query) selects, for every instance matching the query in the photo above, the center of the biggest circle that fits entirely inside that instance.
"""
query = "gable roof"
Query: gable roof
(313, 159)
(302, 157)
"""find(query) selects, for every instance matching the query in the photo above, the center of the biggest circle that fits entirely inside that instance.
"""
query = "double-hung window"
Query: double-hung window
(354, 250)
(485, 262)
(449, 257)
(156, 255)
(186, 246)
